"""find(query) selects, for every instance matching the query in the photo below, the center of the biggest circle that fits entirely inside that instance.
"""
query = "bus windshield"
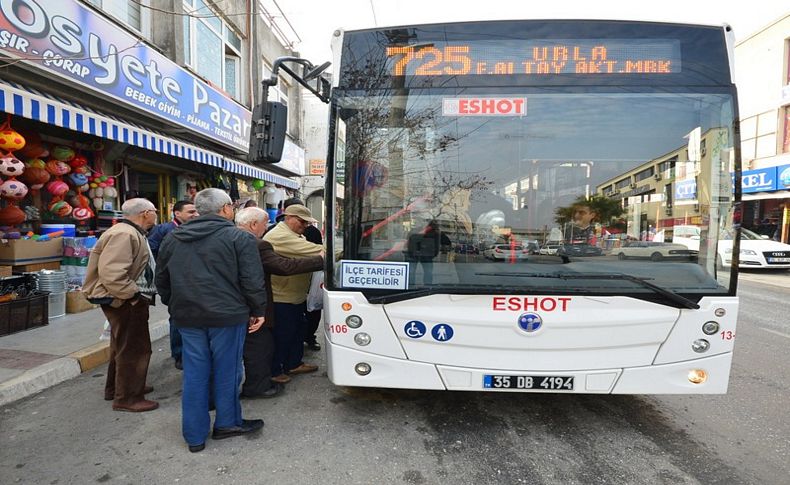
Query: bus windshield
(478, 186)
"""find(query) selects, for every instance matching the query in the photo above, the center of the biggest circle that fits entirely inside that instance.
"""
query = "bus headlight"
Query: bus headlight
(710, 328)
(700, 345)
(362, 339)
(362, 369)
(697, 376)
(354, 321)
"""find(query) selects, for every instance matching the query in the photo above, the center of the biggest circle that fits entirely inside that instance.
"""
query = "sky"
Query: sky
(315, 20)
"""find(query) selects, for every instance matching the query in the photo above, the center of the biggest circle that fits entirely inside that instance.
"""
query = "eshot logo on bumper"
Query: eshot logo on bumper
(530, 322)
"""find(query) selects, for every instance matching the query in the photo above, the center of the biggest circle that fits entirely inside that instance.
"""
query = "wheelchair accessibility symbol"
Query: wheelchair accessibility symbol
(414, 329)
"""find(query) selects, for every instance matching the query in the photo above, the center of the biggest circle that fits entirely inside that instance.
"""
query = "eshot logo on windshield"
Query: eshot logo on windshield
(530, 322)
(484, 107)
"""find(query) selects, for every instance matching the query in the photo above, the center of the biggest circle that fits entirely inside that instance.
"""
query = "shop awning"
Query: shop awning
(29, 103)
(250, 171)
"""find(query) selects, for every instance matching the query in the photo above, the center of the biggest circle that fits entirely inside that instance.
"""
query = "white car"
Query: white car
(655, 251)
(506, 252)
(549, 249)
(756, 251)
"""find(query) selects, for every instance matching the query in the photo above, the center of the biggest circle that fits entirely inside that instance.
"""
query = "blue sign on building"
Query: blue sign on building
(71, 41)
(686, 190)
(760, 180)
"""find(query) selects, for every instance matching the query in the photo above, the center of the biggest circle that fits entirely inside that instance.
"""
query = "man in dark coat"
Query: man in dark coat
(209, 275)
(259, 346)
(183, 211)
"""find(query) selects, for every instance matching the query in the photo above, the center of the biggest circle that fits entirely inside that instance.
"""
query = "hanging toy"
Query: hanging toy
(34, 147)
(57, 188)
(79, 160)
(10, 140)
(10, 166)
(35, 175)
(13, 189)
(63, 153)
(32, 213)
(82, 208)
(11, 215)
(60, 208)
(77, 179)
(57, 168)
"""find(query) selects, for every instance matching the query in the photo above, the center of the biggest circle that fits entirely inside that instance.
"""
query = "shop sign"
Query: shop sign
(71, 41)
(686, 190)
(783, 177)
(317, 167)
(293, 158)
(760, 180)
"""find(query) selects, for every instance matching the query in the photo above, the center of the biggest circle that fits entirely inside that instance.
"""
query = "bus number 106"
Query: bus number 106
(338, 329)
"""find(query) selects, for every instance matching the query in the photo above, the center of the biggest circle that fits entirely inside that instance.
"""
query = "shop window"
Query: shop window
(211, 47)
(786, 136)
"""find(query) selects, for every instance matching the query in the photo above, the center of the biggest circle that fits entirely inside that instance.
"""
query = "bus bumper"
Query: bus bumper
(388, 372)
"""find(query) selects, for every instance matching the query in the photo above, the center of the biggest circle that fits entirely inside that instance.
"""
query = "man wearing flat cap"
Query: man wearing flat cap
(290, 293)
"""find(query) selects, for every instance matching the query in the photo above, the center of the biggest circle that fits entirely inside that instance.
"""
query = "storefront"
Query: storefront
(94, 117)
(766, 197)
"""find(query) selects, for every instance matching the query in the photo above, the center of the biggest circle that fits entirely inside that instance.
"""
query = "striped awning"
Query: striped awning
(250, 171)
(47, 108)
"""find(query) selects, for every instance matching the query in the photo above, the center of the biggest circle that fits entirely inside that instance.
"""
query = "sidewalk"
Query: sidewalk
(36, 359)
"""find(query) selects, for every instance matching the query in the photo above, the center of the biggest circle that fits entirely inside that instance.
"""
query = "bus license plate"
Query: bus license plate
(540, 383)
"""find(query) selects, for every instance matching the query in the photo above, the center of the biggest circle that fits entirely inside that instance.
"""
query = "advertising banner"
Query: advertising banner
(69, 40)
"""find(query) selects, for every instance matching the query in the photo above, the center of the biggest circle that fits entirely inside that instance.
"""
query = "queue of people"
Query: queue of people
(236, 300)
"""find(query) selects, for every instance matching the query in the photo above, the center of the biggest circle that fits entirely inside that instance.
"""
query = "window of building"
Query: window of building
(786, 137)
(644, 174)
(211, 47)
(667, 167)
(133, 13)
(622, 183)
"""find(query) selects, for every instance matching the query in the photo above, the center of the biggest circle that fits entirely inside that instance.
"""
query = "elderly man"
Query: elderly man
(259, 346)
(120, 277)
(290, 293)
(209, 274)
(183, 211)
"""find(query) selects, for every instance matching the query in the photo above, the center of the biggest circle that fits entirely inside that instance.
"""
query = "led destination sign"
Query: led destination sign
(536, 57)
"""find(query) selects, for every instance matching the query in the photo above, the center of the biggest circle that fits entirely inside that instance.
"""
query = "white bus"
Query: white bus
(448, 139)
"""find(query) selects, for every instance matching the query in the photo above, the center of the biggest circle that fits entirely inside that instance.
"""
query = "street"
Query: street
(319, 433)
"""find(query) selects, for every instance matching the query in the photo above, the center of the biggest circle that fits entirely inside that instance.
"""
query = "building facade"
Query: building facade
(154, 95)
(762, 63)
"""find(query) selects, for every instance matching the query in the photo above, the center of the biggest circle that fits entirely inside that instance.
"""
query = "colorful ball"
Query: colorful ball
(35, 177)
(11, 140)
(78, 179)
(58, 167)
(63, 153)
(13, 189)
(82, 213)
(10, 166)
(11, 215)
(57, 188)
(61, 208)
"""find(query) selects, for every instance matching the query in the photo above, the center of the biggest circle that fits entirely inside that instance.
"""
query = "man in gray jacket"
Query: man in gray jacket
(209, 275)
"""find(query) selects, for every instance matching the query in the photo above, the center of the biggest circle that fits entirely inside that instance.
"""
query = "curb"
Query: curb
(60, 370)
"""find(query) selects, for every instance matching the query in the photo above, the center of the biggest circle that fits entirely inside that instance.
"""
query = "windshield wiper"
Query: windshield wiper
(682, 301)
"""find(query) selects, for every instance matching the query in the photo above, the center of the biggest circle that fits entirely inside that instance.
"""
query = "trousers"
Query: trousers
(288, 334)
(212, 358)
(313, 320)
(258, 354)
(130, 351)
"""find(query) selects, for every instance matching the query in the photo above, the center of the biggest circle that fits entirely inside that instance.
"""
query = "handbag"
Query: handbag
(315, 297)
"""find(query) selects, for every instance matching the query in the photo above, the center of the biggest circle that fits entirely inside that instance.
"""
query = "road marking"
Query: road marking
(775, 332)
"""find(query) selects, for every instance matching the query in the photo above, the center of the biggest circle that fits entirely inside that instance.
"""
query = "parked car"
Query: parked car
(532, 247)
(550, 249)
(577, 250)
(505, 252)
(466, 248)
(756, 251)
(656, 251)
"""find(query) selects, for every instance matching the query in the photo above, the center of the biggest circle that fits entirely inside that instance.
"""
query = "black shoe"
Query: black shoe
(314, 346)
(179, 364)
(196, 448)
(273, 391)
(247, 426)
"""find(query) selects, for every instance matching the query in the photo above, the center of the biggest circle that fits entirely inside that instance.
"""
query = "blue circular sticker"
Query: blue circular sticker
(442, 332)
(414, 329)
(530, 322)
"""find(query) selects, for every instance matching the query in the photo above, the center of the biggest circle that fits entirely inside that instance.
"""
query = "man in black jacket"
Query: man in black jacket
(209, 275)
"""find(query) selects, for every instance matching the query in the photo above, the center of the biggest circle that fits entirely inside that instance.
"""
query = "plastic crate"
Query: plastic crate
(24, 313)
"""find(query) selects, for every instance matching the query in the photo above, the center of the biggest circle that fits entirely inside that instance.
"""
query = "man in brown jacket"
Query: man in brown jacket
(259, 346)
(120, 277)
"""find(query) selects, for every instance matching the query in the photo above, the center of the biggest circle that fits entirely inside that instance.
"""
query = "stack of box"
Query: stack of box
(107, 219)
(28, 255)
(76, 251)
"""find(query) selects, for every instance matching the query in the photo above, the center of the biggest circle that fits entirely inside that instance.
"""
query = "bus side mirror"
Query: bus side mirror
(267, 136)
